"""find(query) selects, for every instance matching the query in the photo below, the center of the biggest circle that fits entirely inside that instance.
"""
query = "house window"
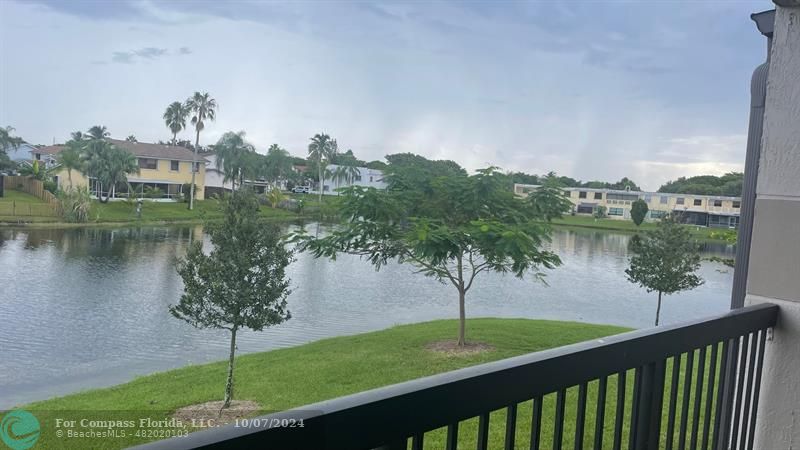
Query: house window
(698, 202)
(657, 214)
(664, 199)
(737, 204)
(614, 211)
(648, 198)
(358, 178)
(717, 203)
(370, 179)
(582, 194)
(598, 195)
(679, 201)
(148, 163)
(174, 165)
(38, 156)
(196, 166)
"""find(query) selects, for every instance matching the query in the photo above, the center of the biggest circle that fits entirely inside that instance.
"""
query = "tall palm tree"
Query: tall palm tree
(98, 132)
(7, 141)
(235, 157)
(351, 170)
(321, 151)
(131, 138)
(277, 164)
(202, 108)
(72, 158)
(110, 165)
(175, 119)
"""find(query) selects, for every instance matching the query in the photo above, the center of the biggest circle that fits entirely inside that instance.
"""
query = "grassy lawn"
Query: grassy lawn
(629, 226)
(292, 377)
(121, 211)
(16, 206)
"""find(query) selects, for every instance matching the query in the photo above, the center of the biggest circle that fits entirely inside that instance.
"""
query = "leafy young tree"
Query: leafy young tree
(464, 226)
(320, 151)
(665, 261)
(202, 107)
(407, 171)
(639, 211)
(175, 119)
(242, 282)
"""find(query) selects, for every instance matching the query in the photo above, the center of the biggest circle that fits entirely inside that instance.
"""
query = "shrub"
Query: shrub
(600, 212)
(186, 189)
(75, 204)
(50, 186)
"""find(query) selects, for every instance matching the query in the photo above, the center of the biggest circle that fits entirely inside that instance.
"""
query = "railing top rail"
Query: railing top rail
(370, 418)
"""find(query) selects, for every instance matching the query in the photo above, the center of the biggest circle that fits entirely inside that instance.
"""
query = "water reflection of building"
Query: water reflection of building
(705, 210)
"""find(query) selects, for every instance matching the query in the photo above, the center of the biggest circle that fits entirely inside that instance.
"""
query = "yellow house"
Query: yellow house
(163, 167)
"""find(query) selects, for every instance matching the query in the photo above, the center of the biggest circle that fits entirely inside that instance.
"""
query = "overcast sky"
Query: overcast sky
(590, 89)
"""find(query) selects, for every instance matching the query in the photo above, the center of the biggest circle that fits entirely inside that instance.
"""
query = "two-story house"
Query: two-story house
(166, 168)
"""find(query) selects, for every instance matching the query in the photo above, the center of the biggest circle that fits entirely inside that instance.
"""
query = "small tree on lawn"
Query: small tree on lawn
(638, 211)
(242, 282)
(665, 261)
(460, 227)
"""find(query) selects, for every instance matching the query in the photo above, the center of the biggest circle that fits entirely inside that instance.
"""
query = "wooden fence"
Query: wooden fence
(33, 187)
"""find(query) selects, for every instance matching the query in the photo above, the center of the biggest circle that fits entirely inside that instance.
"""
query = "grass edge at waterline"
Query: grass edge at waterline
(330, 368)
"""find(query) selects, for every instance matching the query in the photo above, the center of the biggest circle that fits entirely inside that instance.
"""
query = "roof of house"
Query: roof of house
(49, 149)
(157, 151)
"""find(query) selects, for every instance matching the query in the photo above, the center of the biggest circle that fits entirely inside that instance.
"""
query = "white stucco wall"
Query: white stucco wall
(774, 274)
(369, 178)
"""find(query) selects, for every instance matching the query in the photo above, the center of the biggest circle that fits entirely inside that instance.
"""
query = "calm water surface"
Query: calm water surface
(86, 308)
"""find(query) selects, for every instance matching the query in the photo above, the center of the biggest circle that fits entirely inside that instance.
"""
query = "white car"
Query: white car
(301, 189)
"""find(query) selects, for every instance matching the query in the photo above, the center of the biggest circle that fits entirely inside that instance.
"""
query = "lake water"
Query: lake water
(82, 308)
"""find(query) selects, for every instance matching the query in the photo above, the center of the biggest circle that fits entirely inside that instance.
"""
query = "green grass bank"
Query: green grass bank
(291, 377)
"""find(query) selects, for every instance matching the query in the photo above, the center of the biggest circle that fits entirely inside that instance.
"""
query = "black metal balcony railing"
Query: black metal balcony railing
(708, 401)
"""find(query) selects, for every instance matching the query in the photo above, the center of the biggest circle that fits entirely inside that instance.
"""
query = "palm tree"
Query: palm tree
(7, 141)
(175, 119)
(321, 150)
(351, 170)
(110, 165)
(72, 158)
(339, 175)
(131, 138)
(98, 132)
(236, 157)
(78, 136)
(202, 107)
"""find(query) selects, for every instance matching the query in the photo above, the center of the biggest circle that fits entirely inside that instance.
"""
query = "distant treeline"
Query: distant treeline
(729, 184)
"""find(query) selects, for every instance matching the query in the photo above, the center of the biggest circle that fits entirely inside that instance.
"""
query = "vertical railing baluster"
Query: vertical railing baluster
(417, 441)
(558, 427)
(724, 396)
(707, 419)
(698, 397)
(762, 342)
(620, 416)
(483, 431)
(637, 381)
(452, 437)
(673, 400)
(580, 416)
(511, 426)
(650, 404)
(751, 366)
(600, 414)
(536, 422)
(687, 392)
(747, 341)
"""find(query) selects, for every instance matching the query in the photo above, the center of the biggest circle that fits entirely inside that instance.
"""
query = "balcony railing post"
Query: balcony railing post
(647, 423)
